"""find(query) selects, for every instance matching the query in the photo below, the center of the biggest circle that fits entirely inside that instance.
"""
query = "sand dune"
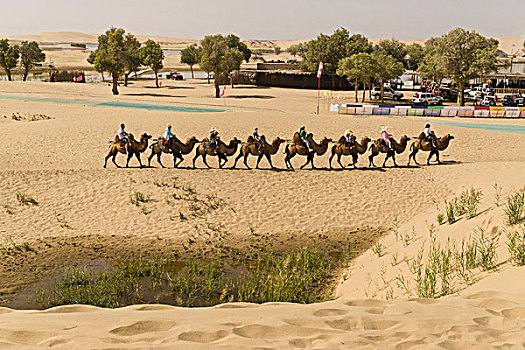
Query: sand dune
(59, 162)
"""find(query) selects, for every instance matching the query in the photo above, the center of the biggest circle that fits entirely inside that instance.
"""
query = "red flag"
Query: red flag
(223, 91)
(320, 70)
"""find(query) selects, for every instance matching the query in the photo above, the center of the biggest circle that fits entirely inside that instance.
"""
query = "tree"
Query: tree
(357, 68)
(393, 48)
(298, 49)
(465, 55)
(132, 60)
(277, 50)
(152, 56)
(9, 55)
(191, 56)
(218, 58)
(234, 42)
(30, 54)
(110, 55)
(386, 68)
(414, 56)
(332, 49)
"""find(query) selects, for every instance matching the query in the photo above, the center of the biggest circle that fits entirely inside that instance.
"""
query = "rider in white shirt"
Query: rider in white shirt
(122, 136)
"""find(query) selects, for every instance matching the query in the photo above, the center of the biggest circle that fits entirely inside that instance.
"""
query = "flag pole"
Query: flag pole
(319, 83)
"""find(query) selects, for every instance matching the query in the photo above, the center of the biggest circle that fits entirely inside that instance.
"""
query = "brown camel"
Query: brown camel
(177, 149)
(341, 150)
(379, 146)
(426, 145)
(223, 151)
(134, 148)
(299, 147)
(266, 150)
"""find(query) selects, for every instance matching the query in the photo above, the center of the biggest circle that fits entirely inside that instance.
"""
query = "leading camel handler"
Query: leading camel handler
(424, 144)
(133, 148)
(260, 148)
(177, 149)
(299, 147)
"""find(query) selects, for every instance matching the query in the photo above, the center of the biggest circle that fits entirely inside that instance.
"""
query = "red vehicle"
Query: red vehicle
(174, 76)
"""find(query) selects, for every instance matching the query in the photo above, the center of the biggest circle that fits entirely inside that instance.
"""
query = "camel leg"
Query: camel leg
(150, 157)
(158, 160)
(106, 160)
(223, 157)
(269, 158)
(354, 159)
(330, 160)
(288, 162)
(430, 156)
(413, 155)
(236, 160)
(204, 160)
(437, 157)
(386, 158)
(245, 161)
(371, 160)
(394, 158)
(113, 160)
(339, 161)
(138, 158)
(195, 158)
(179, 156)
(259, 160)
(129, 157)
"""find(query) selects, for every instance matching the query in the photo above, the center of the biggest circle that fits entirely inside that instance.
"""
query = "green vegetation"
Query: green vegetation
(497, 195)
(299, 277)
(277, 50)
(516, 246)
(132, 59)
(25, 199)
(386, 69)
(466, 204)
(30, 54)
(9, 55)
(515, 208)
(191, 55)
(379, 249)
(138, 198)
(358, 68)
(29, 117)
(151, 55)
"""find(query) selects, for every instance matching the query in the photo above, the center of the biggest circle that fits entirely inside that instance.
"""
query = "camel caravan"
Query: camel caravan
(302, 144)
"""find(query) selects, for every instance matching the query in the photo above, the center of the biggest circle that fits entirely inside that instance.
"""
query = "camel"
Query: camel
(424, 145)
(379, 147)
(298, 147)
(341, 150)
(223, 152)
(134, 148)
(267, 150)
(177, 149)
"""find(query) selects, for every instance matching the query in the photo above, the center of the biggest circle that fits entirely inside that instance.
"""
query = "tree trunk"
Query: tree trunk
(333, 82)
(191, 68)
(370, 91)
(364, 92)
(26, 72)
(208, 77)
(231, 79)
(103, 80)
(356, 99)
(126, 75)
(216, 83)
(382, 92)
(461, 95)
(115, 84)
(8, 72)
(156, 79)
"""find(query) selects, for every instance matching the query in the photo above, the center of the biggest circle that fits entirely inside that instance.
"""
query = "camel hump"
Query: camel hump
(422, 136)
(205, 140)
(296, 138)
(250, 139)
(341, 140)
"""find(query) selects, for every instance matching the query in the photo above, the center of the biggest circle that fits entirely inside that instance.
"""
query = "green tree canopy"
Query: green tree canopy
(332, 49)
(392, 47)
(358, 68)
(152, 56)
(191, 55)
(414, 56)
(386, 69)
(277, 50)
(298, 49)
(110, 55)
(218, 58)
(132, 59)
(30, 54)
(234, 42)
(463, 55)
(9, 55)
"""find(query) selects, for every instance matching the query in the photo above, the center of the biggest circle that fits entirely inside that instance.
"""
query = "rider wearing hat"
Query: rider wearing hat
(168, 136)
(257, 139)
(349, 138)
(386, 137)
(214, 137)
(303, 134)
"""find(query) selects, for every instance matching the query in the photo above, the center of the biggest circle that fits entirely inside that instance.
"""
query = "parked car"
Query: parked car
(426, 98)
(388, 93)
(448, 94)
(513, 100)
(478, 92)
(174, 76)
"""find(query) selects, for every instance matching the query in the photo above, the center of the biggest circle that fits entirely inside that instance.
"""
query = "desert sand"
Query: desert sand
(59, 162)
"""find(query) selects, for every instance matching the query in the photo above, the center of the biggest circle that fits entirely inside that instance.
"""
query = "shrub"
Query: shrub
(516, 246)
(515, 208)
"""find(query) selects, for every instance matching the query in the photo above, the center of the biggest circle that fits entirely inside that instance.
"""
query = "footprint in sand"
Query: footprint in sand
(203, 337)
(517, 313)
(329, 312)
(267, 332)
(346, 324)
(25, 337)
(142, 327)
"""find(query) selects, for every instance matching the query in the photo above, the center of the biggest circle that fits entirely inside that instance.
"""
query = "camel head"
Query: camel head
(145, 136)
(235, 141)
(326, 140)
(450, 137)
(366, 139)
(404, 139)
(278, 141)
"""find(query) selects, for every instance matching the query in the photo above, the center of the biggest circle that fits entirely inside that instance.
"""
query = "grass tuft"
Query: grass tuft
(25, 199)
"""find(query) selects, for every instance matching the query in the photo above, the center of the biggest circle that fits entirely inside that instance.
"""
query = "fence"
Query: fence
(438, 111)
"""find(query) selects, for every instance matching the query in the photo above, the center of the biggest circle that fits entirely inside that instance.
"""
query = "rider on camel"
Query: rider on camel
(303, 134)
(257, 139)
(349, 138)
(429, 135)
(123, 136)
(214, 138)
(168, 136)
(386, 137)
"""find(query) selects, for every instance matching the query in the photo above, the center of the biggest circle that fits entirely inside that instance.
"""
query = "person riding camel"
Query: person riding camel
(168, 136)
(123, 136)
(257, 139)
(429, 135)
(386, 137)
(349, 138)
(214, 138)
(303, 134)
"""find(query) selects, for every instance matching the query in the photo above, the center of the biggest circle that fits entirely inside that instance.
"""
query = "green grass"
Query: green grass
(515, 208)
(138, 198)
(516, 246)
(25, 199)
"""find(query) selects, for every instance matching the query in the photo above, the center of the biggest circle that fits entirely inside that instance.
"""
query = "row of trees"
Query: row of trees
(28, 54)
(120, 54)
(460, 55)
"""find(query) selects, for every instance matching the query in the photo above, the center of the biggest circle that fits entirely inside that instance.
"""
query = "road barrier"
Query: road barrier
(431, 111)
